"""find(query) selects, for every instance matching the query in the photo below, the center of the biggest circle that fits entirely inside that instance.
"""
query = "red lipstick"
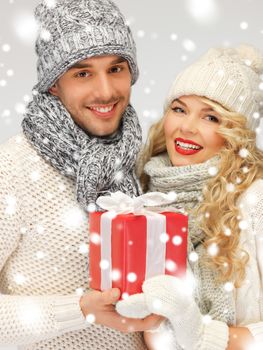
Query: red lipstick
(187, 147)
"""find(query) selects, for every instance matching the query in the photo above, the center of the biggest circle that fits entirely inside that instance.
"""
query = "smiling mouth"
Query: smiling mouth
(103, 110)
(187, 148)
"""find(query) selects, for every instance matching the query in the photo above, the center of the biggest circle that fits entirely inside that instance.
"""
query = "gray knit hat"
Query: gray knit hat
(228, 76)
(73, 30)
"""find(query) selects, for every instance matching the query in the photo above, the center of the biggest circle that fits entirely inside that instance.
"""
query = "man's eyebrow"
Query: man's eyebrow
(118, 60)
(87, 65)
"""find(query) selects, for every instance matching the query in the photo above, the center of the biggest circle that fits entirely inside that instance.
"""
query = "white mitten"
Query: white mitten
(170, 297)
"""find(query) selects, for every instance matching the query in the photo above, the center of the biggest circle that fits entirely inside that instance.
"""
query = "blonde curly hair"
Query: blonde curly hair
(218, 213)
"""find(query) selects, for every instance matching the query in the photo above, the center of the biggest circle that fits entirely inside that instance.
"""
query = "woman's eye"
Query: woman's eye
(212, 118)
(178, 109)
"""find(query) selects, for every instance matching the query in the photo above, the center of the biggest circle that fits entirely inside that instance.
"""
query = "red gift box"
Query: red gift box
(127, 249)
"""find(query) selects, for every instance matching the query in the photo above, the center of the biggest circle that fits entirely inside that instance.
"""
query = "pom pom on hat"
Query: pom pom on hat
(229, 76)
(251, 56)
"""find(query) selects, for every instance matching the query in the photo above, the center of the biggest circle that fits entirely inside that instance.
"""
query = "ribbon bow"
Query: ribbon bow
(121, 203)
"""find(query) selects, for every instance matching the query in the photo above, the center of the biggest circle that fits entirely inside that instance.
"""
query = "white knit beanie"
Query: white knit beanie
(228, 76)
(73, 30)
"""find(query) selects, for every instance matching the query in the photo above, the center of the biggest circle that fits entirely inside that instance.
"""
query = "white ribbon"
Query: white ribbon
(121, 203)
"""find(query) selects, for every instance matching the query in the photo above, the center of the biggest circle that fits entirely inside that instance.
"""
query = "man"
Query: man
(80, 140)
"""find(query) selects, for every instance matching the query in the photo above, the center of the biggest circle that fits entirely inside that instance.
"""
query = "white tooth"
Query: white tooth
(102, 110)
(187, 145)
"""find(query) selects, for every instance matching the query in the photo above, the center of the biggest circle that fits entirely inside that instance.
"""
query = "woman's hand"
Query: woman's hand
(99, 306)
(170, 297)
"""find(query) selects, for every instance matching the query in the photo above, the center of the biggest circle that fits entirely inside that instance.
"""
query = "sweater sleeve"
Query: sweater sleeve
(28, 319)
(252, 204)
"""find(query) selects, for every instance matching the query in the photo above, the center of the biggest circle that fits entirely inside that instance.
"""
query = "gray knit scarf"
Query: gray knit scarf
(188, 182)
(99, 165)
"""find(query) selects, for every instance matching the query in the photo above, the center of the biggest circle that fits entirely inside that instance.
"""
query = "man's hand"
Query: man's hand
(100, 306)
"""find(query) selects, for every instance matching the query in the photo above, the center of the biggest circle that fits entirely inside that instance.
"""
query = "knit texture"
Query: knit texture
(187, 182)
(44, 259)
(71, 31)
(229, 76)
(98, 165)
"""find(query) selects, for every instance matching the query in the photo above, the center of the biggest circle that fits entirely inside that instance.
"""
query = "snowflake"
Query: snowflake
(227, 231)
(26, 27)
(213, 249)
(6, 47)
(243, 224)
(19, 279)
(131, 277)
(189, 45)
(228, 286)
(83, 249)
(119, 176)
(125, 296)
(50, 3)
(193, 256)
(79, 291)
(141, 33)
(90, 318)
(35, 175)
(104, 264)
(115, 275)
(146, 113)
(205, 11)
(177, 240)
(6, 113)
(213, 170)
(95, 238)
(164, 237)
(172, 196)
(238, 180)
(230, 187)
(173, 37)
(243, 153)
(45, 35)
(3, 83)
(40, 229)
(20, 108)
(207, 319)
(244, 25)
(23, 230)
(170, 265)
(40, 255)
(147, 90)
(245, 169)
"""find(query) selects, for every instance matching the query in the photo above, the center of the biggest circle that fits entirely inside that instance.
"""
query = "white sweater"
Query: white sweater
(44, 259)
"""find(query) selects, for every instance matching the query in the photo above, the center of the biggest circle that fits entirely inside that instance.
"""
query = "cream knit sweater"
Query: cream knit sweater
(44, 259)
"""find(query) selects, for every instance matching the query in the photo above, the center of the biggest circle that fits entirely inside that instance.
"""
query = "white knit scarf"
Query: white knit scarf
(99, 165)
(188, 182)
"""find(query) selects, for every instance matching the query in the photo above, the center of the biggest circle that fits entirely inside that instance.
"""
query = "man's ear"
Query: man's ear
(53, 90)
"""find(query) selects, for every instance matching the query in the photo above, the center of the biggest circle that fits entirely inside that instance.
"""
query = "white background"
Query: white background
(169, 33)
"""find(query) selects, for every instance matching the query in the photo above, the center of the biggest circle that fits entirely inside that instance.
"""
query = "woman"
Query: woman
(204, 149)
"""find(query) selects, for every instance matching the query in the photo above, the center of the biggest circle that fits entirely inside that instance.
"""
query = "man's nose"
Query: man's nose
(104, 89)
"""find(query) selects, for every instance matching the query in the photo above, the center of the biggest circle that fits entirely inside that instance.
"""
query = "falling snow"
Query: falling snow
(131, 277)
(177, 240)
(213, 249)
